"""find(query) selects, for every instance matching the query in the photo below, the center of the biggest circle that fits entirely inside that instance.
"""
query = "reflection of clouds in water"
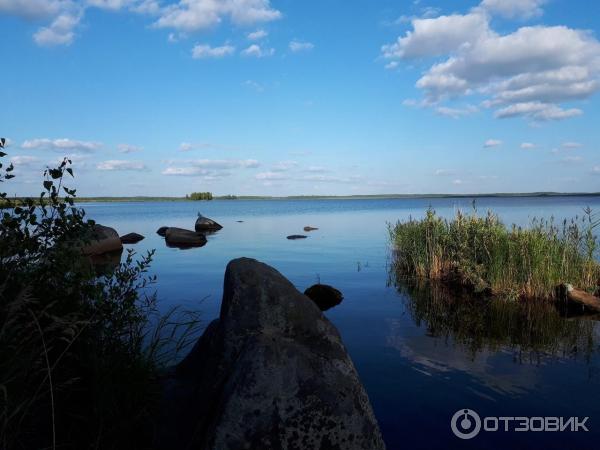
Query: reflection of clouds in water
(438, 357)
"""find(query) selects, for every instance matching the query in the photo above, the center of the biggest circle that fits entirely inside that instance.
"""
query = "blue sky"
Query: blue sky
(286, 97)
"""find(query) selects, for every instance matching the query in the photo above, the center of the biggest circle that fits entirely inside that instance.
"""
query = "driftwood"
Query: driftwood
(581, 297)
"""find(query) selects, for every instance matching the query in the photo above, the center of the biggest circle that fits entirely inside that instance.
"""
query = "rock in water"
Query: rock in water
(270, 373)
(180, 238)
(162, 231)
(205, 224)
(307, 229)
(293, 237)
(102, 240)
(132, 238)
(325, 296)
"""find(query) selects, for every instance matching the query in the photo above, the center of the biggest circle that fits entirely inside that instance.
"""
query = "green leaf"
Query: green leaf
(2, 142)
(48, 185)
(2, 154)
(70, 171)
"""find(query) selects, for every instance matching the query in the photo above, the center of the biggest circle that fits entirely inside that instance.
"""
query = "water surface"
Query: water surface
(420, 358)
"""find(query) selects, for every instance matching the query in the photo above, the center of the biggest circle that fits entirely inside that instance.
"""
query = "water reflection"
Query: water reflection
(530, 331)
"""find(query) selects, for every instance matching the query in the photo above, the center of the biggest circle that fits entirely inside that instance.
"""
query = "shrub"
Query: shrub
(79, 352)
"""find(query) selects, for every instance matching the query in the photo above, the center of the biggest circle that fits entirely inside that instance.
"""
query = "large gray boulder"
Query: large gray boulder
(270, 373)
(204, 224)
(102, 240)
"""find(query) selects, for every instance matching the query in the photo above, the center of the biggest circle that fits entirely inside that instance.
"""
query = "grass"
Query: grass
(481, 253)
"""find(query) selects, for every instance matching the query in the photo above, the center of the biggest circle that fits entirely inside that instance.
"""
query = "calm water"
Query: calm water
(421, 359)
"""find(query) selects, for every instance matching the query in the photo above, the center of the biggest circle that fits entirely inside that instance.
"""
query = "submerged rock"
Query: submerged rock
(307, 229)
(162, 231)
(270, 373)
(102, 240)
(180, 238)
(293, 237)
(325, 296)
(132, 238)
(206, 224)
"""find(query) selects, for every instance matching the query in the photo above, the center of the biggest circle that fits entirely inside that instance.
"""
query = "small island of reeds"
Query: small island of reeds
(483, 254)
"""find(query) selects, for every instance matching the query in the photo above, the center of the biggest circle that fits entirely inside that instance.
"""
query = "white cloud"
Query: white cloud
(317, 169)
(32, 9)
(187, 146)
(455, 113)
(206, 51)
(528, 146)
(127, 148)
(254, 85)
(61, 145)
(271, 176)
(528, 72)
(60, 32)
(510, 9)
(299, 46)
(257, 35)
(23, 160)
(490, 143)
(194, 15)
(283, 166)
(257, 51)
(596, 170)
(392, 65)
(457, 182)
(183, 16)
(118, 164)
(571, 145)
(211, 168)
(444, 173)
(435, 37)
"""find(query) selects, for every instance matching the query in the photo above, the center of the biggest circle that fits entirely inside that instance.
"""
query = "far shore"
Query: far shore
(339, 197)
(328, 197)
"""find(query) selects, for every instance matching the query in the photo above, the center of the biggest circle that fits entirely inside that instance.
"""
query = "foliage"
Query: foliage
(201, 196)
(79, 352)
(482, 253)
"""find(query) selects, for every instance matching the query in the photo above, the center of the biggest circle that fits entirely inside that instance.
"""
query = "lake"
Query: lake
(420, 357)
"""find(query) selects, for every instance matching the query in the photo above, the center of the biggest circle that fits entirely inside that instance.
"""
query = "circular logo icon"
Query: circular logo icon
(466, 424)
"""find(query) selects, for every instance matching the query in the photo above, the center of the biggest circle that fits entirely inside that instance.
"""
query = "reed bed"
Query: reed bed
(482, 253)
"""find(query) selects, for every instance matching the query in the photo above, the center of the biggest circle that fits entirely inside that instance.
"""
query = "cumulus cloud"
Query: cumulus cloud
(194, 15)
(257, 51)
(455, 113)
(529, 72)
(60, 145)
(183, 16)
(528, 146)
(299, 46)
(490, 143)
(127, 148)
(257, 35)
(206, 51)
(121, 165)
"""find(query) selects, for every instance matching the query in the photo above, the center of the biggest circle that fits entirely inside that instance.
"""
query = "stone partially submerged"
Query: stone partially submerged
(180, 238)
(102, 240)
(325, 296)
(204, 224)
(132, 238)
(270, 373)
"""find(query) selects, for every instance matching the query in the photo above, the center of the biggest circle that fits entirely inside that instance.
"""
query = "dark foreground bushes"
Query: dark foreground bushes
(80, 352)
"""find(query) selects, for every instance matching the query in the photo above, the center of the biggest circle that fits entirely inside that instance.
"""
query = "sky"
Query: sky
(312, 97)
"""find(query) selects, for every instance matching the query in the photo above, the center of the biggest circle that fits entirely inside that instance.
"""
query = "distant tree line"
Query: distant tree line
(200, 196)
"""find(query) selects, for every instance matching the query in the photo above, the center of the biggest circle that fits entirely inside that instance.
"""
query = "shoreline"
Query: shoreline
(341, 197)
